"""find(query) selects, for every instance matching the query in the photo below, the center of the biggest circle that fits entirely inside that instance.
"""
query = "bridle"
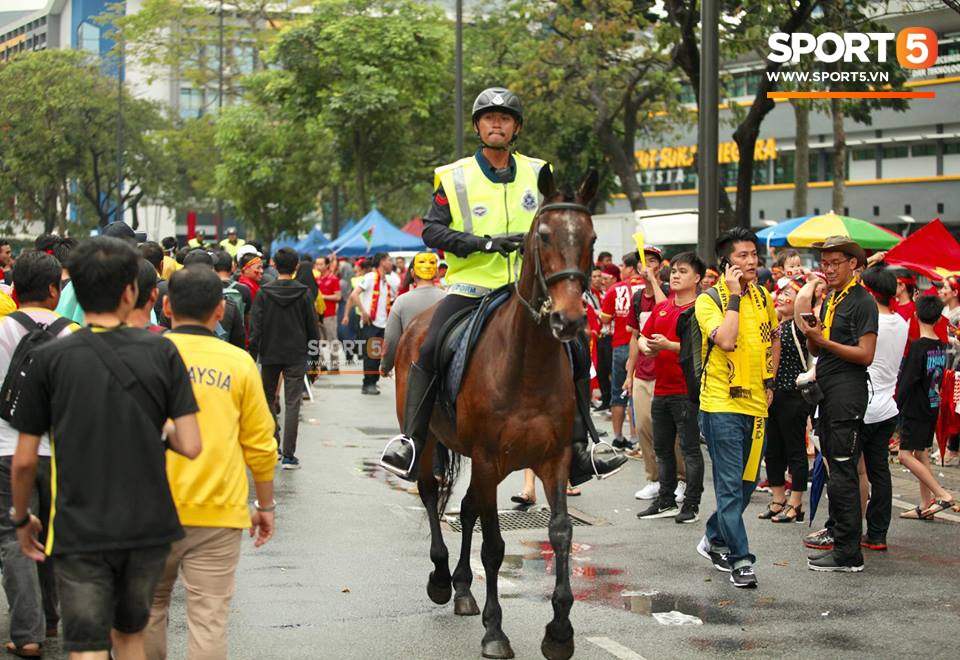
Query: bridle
(542, 303)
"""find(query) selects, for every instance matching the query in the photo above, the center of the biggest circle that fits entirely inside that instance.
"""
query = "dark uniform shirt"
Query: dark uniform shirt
(855, 317)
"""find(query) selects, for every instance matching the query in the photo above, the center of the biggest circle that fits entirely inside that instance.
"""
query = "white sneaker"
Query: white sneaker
(680, 491)
(648, 492)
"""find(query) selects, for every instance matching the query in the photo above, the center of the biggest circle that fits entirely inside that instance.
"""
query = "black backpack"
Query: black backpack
(691, 343)
(37, 335)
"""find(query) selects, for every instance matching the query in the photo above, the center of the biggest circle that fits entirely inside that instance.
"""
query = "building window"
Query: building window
(896, 152)
(816, 210)
(761, 214)
(191, 103)
(918, 150)
(789, 213)
(761, 175)
(939, 207)
(783, 168)
(687, 95)
(846, 210)
(876, 211)
(951, 147)
(868, 153)
(88, 37)
(728, 174)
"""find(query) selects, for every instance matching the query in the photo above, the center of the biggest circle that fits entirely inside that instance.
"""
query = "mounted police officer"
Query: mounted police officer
(482, 207)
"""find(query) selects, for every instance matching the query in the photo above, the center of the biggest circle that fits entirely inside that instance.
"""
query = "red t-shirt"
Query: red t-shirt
(640, 309)
(329, 285)
(617, 303)
(663, 321)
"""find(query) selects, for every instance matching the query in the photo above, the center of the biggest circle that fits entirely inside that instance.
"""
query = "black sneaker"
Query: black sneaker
(820, 555)
(718, 559)
(829, 564)
(873, 544)
(622, 443)
(743, 578)
(656, 510)
(370, 389)
(822, 540)
(689, 513)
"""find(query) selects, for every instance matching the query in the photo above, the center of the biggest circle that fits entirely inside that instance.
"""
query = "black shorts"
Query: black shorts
(104, 590)
(917, 434)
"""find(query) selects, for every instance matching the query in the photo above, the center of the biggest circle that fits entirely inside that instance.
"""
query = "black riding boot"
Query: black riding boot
(403, 452)
(585, 464)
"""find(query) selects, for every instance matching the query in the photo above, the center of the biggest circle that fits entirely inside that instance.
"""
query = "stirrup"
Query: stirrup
(403, 474)
(593, 461)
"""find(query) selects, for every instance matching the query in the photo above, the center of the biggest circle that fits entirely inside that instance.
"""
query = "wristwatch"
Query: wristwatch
(17, 524)
(488, 246)
(265, 509)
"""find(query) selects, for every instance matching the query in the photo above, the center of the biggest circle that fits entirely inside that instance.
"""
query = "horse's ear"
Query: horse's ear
(545, 182)
(588, 189)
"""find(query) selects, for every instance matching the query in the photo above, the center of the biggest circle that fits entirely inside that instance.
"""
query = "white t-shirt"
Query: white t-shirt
(891, 340)
(11, 332)
(366, 297)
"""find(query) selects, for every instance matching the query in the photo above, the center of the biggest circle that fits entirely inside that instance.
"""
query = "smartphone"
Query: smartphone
(724, 262)
(810, 319)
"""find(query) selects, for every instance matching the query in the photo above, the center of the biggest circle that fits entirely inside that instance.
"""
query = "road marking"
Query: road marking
(942, 515)
(615, 649)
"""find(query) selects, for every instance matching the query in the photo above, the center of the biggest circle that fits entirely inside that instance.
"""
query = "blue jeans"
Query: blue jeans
(620, 356)
(729, 437)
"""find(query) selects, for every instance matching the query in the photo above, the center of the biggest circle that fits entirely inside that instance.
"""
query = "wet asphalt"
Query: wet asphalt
(345, 575)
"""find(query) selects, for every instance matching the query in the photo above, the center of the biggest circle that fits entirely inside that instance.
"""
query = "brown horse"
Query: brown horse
(515, 410)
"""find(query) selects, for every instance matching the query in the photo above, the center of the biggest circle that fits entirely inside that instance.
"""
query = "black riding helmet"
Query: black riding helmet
(498, 99)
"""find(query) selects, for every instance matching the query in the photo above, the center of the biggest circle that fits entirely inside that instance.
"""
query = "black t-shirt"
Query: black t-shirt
(110, 490)
(855, 317)
(918, 390)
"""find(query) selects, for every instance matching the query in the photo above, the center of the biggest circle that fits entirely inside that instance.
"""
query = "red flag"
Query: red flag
(930, 250)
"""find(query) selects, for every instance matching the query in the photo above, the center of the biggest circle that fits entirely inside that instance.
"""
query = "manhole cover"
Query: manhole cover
(512, 520)
(377, 430)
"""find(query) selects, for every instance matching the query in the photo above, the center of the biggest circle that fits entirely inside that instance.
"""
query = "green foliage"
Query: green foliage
(59, 118)
(269, 168)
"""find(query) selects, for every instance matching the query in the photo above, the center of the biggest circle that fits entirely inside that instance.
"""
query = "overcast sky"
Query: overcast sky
(15, 5)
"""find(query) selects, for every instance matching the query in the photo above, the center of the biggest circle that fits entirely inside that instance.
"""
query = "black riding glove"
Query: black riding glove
(502, 244)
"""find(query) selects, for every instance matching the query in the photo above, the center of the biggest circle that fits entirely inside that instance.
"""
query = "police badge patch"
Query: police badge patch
(529, 201)
(479, 210)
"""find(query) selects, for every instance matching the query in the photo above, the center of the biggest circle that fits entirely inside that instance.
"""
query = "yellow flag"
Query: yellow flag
(638, 239)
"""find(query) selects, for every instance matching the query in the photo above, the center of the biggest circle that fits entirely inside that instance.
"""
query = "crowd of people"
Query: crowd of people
(183, 349)
(849, 360)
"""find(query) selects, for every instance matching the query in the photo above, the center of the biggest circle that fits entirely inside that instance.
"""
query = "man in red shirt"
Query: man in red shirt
(328, 283)
(672, 411)
(618, 307)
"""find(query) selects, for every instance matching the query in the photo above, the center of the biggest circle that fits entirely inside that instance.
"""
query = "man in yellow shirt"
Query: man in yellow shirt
(211, 492)
(740, 354)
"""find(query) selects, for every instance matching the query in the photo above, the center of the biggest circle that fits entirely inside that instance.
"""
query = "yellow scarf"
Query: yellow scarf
(738, 361)
(832, 305)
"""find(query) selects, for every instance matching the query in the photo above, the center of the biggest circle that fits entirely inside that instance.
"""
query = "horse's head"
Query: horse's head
(559, 248)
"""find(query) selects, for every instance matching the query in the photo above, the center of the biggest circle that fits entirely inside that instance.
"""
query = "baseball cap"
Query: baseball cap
(119, 229)
(425, 265)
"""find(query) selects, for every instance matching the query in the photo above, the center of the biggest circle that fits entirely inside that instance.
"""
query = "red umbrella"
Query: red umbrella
(930, 250)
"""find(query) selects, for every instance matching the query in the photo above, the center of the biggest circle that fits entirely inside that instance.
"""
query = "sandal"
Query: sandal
(573, 491)
(22, 652)
(523, 499)
(937, 507)
(916, 513)
(783, 516)
(770, 513)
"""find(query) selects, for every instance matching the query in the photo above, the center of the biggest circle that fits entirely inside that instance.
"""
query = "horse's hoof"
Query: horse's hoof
(554, 650)
(498, 648)
(439, 593)
(465, 606)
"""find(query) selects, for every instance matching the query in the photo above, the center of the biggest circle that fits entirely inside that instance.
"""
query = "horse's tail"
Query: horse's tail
(451, 462)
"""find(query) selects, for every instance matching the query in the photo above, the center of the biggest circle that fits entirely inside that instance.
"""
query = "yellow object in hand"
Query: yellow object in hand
(638, 239)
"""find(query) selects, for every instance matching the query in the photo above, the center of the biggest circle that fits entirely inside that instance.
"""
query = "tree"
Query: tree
(59, 118)
(269, 170)
(592, 76)
(375, 75)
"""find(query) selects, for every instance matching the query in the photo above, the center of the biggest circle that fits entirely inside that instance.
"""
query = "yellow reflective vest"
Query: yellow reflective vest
(481, 207)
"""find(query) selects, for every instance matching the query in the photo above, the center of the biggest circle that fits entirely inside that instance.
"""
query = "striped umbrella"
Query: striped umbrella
(804, 232)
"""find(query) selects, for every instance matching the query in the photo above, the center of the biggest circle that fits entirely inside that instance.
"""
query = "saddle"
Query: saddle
(458, 337)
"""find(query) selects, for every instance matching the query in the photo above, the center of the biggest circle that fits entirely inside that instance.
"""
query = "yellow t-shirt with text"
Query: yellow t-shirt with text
(715, 393)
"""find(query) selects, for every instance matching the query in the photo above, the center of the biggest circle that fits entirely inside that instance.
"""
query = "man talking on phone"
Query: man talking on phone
(844, 338)
(740, 353)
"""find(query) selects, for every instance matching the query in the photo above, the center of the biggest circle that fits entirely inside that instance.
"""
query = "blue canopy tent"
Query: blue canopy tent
(314, 243)
(386, 237)
(347, 227)
(282, 241)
